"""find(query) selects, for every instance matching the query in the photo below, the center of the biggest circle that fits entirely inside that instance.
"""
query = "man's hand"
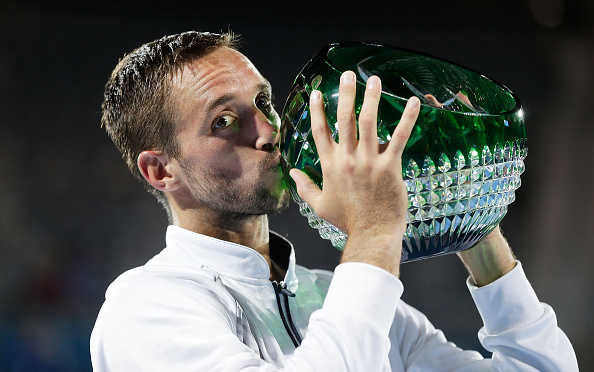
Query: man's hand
(363, 193)
(489, 259)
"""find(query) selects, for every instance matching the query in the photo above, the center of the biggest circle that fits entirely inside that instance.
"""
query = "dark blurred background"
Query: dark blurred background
(72, 218)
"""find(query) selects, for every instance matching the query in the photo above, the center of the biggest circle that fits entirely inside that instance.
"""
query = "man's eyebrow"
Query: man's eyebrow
(264, 86)
(220, 101)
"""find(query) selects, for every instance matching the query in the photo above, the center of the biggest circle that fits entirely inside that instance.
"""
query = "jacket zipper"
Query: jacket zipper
(280, 290)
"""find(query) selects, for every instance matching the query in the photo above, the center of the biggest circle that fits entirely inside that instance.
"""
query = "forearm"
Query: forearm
(489, 259)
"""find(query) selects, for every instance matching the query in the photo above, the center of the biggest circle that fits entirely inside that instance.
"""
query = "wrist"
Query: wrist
(489, 259)
(383, 250)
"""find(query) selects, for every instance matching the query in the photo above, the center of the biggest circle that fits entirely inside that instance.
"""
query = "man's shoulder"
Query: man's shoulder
(147, 305)
(149, 287)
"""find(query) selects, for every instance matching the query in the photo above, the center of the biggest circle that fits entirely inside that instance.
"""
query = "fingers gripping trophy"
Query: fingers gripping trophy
(463, 159)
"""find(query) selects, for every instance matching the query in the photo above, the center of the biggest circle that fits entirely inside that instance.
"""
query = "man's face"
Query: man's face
(228, 133)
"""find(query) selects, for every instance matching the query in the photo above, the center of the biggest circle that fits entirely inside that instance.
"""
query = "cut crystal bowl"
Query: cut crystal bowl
(463, 160)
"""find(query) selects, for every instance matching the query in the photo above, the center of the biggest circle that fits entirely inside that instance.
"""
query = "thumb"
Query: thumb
(306, 188)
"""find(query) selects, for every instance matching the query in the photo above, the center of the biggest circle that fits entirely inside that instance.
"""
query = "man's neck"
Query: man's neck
(249, 231)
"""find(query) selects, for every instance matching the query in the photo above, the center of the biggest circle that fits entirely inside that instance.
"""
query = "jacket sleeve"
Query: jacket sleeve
(520, 331)
(160, 325)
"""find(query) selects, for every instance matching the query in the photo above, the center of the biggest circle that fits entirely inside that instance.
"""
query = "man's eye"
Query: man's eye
(223, 121)
(264, 103)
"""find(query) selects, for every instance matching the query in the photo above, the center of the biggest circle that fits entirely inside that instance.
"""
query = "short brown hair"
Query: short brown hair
(137, 114)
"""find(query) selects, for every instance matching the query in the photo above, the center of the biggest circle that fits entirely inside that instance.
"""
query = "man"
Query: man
(193, 119)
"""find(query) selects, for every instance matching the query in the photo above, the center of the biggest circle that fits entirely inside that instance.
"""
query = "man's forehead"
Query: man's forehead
(223, 68)
(222, 61)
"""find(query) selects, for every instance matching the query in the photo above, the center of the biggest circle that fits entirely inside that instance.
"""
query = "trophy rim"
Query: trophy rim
(323, 54)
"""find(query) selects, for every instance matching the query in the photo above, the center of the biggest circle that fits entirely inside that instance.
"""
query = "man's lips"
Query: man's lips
(272, 160)
(277, 158)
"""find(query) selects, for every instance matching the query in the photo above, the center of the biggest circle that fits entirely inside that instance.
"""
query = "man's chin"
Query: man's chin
(277, 202)
(278, 189)
(284, 202)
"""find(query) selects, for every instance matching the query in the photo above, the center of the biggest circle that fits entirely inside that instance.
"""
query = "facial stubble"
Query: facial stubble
(225, 193)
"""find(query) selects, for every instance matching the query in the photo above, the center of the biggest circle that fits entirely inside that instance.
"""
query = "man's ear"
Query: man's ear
(155, 167)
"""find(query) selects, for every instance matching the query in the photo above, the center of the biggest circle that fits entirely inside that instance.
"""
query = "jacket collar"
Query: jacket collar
(230, 260)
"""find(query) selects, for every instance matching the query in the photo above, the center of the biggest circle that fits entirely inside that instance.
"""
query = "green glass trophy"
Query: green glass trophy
(462, 163)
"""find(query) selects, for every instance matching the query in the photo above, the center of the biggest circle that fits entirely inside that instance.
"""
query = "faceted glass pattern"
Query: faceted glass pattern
(462, 163)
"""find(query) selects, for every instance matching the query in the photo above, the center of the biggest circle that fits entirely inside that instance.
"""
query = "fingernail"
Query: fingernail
(348, 77)
(315, 95)
(372, 82)
(413, 102)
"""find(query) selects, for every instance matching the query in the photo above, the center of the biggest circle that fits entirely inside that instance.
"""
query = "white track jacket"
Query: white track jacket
(205, 304)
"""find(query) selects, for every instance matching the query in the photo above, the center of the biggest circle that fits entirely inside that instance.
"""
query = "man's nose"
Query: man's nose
(268, 133)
